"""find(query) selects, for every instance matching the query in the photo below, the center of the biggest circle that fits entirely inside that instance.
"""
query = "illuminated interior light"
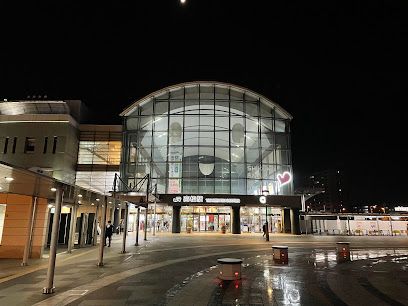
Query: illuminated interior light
(236, 273)
(97, 200)
(53, 189)
(9, 179)
(79, 195)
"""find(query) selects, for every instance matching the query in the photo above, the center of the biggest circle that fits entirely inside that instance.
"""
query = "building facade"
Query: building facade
(212, 149)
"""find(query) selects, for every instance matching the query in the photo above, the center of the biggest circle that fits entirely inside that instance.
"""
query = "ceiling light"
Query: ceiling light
(79, 195)
(53, 189)
(9, 179)
(97, 200)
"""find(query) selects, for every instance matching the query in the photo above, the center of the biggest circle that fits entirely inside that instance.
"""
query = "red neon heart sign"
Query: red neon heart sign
(284, 178)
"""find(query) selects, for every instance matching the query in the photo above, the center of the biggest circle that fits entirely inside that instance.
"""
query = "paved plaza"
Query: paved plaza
(182, 270)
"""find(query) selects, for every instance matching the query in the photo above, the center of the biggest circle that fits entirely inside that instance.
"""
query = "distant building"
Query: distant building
(334, 191)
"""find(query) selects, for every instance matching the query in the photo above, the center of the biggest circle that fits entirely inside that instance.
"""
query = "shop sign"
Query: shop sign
(401, 208)
(201, 199)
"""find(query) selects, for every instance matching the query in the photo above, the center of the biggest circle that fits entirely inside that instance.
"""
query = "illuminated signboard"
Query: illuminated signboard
(201, 199)
(401, 208)
(284, 178)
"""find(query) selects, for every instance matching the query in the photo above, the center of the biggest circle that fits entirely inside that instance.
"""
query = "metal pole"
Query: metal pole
(147, 206)
(154, 218)
(72, 228)
(137, 226)
(54, 242)
(267, 225)
(391, 225)
(103, 228)
(30, 228)
(125, 228)
(145, 227)
(95, 233)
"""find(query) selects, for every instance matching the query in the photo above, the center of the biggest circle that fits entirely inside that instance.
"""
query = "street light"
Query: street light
(265, 192)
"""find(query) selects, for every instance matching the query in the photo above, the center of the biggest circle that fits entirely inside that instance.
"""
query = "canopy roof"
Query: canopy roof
(217, 85)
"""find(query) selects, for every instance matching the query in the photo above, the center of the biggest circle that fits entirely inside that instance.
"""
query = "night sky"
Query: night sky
(339, 67)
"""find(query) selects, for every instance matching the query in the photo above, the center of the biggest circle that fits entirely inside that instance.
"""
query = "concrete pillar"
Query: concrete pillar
(236, 220)
(30, 227)
(103, 228)
(72, 228)
(294, 221)
(286, 220)
(49, 288)
(176, 219)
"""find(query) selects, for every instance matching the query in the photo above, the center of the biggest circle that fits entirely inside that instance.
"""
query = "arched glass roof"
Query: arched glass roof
(222, 91)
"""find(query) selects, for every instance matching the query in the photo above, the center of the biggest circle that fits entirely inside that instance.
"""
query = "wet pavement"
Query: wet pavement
(182, 270)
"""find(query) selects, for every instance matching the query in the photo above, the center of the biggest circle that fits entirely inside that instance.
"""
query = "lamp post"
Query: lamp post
(265, 193)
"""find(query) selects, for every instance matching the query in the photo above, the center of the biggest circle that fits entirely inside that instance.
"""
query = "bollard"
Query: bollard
(280, 254)
(343, 251)
(230, 268)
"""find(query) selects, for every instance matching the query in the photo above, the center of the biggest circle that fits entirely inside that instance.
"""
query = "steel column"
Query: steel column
(54, 241)
(30, 227)
(125, 228)
(103, 228)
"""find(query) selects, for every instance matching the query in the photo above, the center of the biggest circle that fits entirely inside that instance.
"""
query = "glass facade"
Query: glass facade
(99, 154)
(207, 138)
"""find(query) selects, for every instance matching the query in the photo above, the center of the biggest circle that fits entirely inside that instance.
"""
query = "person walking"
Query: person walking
(108, 233)
(264, 230)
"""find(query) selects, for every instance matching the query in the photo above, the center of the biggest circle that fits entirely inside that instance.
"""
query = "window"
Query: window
(6, 145)
(45, 145)
(54, 145)
(14, 145)
(29, 146)
(2, 216)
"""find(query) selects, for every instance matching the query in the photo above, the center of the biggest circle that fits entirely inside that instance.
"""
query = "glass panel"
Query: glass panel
(237, 108)
(251, 109)
(159, 170)
(254, 171)
(238, 170)
(269, 171)
(146, 123)
(252, 155)
(161, 108)
(190, 170)
(147, 108)
(160, 154)
(238, 187)
(221, 123)
(191, 138)
(252, 140)
(131, 123)
(222, 170)
(144, 155)
(222, 186)
(222, 153)
(266, 111)
(160, 139)
(176, 107)
(206, 186)
(206, 138)
(267, 141)
(254, 187)
(161, 124)
(251, 125)
(281, 140)
(237, 154)
(268, 157)
(190, 151)
(222, 138)
(190, 186)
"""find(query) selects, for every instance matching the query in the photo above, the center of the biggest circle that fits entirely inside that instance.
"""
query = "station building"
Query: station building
(219, 155)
